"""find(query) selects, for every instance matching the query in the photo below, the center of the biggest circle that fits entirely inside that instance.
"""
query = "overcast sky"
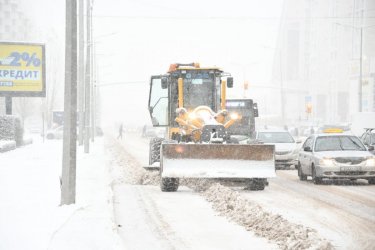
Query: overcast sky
(135, 39)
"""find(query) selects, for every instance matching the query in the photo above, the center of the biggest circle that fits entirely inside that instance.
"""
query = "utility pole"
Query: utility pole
(88, 81)
(360, 73)
(92, 92)
(68, 177)
(81, 68)
(8, 105)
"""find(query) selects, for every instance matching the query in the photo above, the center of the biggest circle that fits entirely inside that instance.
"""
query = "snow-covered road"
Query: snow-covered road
(150, 219)
(343, 213)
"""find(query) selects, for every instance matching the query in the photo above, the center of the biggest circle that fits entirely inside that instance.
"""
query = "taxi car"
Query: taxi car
(335, 155)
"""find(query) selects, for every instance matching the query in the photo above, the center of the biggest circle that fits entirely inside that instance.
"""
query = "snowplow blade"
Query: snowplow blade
(217, 161)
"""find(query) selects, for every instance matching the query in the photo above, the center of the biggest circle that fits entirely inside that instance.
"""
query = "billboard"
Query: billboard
(22, 69)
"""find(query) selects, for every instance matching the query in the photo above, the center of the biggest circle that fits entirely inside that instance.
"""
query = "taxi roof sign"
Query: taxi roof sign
(333, 130)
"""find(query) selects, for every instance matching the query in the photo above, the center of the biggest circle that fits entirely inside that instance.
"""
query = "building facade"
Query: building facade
(318, 60)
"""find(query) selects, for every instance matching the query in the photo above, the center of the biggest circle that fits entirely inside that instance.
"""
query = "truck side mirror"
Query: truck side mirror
(307, 149)
(164, 83)
(230, 82)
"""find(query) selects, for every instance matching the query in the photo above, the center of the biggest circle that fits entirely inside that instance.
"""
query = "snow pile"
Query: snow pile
(7, 145)
(131, 171)
(274, 227)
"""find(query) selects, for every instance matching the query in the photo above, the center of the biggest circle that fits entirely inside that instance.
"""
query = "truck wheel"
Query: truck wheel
(154, 150)
(256, 184)
(301, 176)
(371, 181)
(169, 184)
(315, 179)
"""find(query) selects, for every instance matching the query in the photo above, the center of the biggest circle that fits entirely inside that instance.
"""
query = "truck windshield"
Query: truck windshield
(338, 143)
(199, 89)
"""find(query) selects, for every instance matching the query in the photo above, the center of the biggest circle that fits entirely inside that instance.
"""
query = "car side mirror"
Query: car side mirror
(370, 148)
(230, 82)
(307, 149)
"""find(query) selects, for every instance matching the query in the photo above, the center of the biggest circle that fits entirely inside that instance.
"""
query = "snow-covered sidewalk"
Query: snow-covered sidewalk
(30, 213)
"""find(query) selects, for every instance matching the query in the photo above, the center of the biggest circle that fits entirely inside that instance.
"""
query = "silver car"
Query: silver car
(335, 156)
(286, 148)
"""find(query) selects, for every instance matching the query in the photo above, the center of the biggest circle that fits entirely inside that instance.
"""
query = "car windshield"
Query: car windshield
(338, 143)
(275, 137)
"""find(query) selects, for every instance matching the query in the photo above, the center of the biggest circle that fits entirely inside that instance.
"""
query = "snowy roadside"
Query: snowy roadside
(30, 214)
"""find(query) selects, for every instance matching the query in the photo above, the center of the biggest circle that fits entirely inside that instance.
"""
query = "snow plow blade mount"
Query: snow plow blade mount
(217, 161)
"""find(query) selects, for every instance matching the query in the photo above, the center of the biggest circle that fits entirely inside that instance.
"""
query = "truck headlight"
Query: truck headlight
(370, 162)
(327, 162)
(234, 116)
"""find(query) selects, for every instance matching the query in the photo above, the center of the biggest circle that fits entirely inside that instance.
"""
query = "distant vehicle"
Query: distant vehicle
(286, 147)
(99, 131)
(56, 133)
(335, 156)
(368, 138)
(243, 130)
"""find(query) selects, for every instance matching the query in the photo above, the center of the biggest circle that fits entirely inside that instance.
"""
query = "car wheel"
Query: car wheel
(315, 179)
(301, 176)
(371, 181)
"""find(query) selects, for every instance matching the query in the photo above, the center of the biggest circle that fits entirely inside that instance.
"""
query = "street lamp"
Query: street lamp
(360, 60)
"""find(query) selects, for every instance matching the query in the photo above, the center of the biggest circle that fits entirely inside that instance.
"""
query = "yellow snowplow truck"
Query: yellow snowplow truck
(190, 102)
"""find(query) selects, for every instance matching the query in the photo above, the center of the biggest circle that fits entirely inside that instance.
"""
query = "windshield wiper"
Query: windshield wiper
(355, 143)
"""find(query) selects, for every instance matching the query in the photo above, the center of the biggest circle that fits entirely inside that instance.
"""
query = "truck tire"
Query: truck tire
(154, 150)
(301, 176)
(169, 184)
(371, 181)
(256, 184)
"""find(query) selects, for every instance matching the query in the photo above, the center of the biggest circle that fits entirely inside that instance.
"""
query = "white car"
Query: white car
(286, 147)
(335, 156)
(56, 133)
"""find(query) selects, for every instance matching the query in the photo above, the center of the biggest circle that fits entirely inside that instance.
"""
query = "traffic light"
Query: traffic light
(245, 85)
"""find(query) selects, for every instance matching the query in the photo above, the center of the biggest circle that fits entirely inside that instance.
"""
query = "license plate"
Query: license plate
(350, 169)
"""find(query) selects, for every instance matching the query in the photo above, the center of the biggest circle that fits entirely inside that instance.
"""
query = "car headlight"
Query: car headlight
(327, 162)
(370, 162)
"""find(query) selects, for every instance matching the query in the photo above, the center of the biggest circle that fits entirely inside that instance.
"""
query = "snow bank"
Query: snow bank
(130, 171)
(7, 145)
(30, 213)
(274, 227)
